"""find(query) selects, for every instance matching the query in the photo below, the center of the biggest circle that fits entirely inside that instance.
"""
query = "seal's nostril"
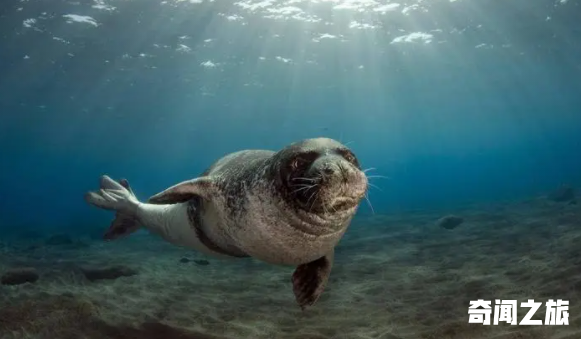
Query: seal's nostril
(328, 170)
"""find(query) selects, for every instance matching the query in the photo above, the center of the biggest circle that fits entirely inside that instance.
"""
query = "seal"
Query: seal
(289, 207)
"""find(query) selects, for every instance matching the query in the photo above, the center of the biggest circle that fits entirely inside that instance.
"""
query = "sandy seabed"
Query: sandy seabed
(395, 277)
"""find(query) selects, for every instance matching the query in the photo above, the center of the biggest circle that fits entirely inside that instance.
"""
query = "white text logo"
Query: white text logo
(480, 312)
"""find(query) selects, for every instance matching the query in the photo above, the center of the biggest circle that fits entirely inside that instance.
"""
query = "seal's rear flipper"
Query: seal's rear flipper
(121, 226)
(119, 197)
(309, 280)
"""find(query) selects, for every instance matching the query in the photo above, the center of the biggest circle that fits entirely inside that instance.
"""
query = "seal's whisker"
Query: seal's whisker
(299, 189)
(313, 204)
(372, 185)
(369, 203)
(377, 176)
(334, 209)
(368, 169)
(319, 178)
(325, 210)
(311, 197)
(303, 188)
(304, 185)
(305, 179)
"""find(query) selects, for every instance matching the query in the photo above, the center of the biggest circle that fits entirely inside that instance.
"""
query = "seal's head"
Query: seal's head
(321, 176)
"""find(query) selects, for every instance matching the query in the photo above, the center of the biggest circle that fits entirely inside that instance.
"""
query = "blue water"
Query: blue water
(452, 102)
(487, 108)
(482, 105)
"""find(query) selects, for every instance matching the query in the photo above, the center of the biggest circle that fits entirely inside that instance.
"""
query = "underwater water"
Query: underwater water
(457, 109)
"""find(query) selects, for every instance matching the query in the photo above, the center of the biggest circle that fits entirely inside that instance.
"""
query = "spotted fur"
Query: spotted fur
(258, 213)
(289, 207)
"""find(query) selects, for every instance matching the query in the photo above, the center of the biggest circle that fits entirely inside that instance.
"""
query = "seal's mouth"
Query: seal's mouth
(343, 203)
(331, 187)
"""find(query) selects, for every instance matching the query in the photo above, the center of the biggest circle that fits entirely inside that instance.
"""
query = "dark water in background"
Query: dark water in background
(456, 102)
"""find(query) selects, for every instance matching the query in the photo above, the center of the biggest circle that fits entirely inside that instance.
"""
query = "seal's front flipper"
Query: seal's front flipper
(309, 280)
(119, 197)
(202, 187)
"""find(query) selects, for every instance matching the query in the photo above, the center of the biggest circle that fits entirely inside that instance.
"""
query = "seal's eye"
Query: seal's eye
(349, 157)
(297, 163)
(303, 160)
